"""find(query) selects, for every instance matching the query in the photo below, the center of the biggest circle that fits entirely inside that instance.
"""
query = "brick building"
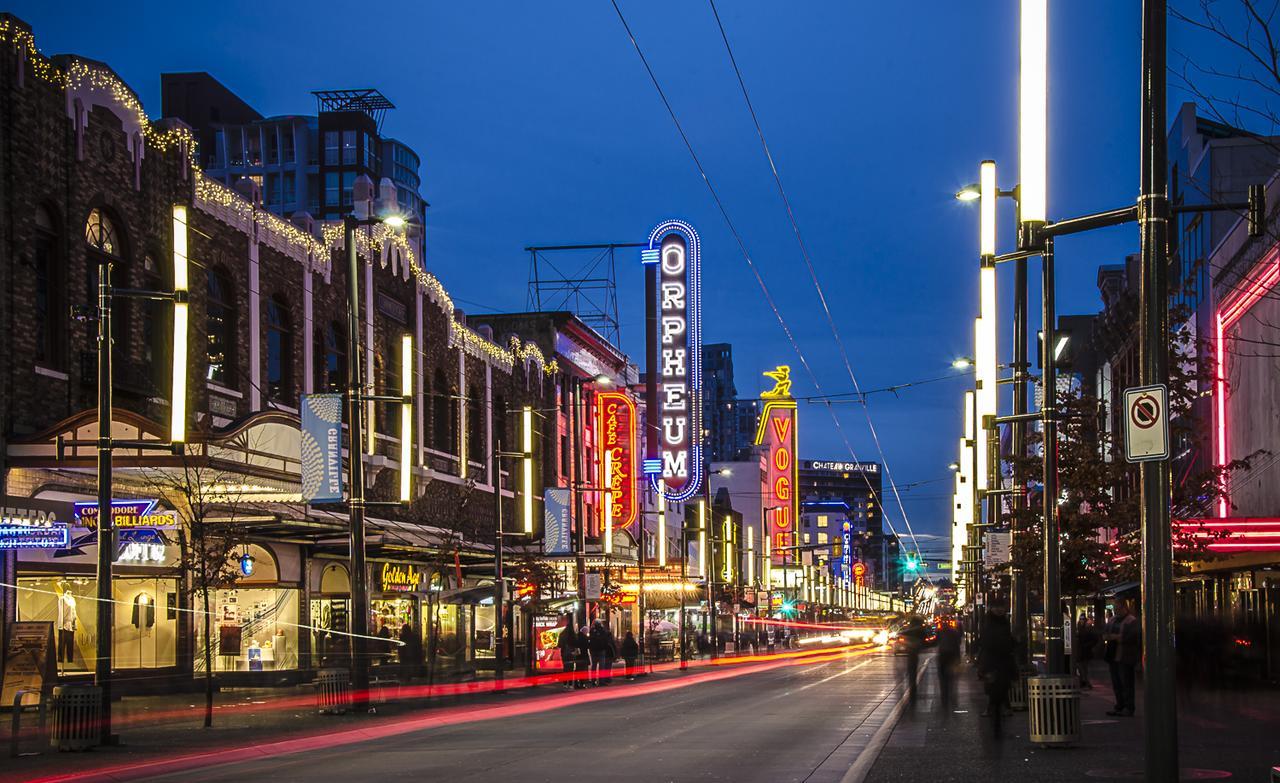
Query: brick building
(88, 177)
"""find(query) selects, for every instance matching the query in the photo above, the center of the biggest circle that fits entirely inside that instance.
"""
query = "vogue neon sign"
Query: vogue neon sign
(675, 340)
(777, 433)
(617, 427)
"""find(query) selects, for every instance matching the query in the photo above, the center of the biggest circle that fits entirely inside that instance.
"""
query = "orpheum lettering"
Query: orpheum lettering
(674, 402)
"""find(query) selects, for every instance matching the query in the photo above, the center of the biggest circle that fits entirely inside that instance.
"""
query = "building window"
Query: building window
(220, 326)
(822, 538)
(441, 415)
(822, 520)
(330, 148)
(273, 145)
(348, 148)
(348, 182)
(100, 234)
(254, 147)
(272, 189)
(806, 538)
(279, 351)
(157, 327)
(50, 307)
(370, 153)
(331, 192)
(288, 188)
(475, 427)
(286, 146)
(330, 359)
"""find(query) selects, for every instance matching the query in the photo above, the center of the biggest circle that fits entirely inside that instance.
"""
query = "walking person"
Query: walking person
(1127, 634)
(1086, 639)
(948, 661)
(597, 647)
(997, 664)
(630, 652)
(913, 638)
(582, 659)
(610, 655)
(568, 646)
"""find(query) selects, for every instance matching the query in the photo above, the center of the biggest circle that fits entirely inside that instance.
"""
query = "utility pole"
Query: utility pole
(1054, 661)
(499, 586)
(1017, 578)
(106, 521)
(1161, 751)
(355, 462)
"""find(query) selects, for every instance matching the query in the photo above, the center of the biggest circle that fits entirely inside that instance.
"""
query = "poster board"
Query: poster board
(28, 660)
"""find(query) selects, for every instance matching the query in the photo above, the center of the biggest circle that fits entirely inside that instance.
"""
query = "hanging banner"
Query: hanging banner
(776, 432)
(555, 528)
(674, 403)
(617, 427)
(322, 448)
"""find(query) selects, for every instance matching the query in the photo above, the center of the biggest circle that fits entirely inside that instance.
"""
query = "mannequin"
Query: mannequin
(144, 611)
(66, 622)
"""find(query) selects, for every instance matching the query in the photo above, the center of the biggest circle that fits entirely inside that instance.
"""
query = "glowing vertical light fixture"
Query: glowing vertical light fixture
(977, 434)
(728, 549)
(702, 538)
(767, 570)
(662, 525)
(751, 555)
(178, 392)
(406, 416)
(1034, 84)
(987, 209)
(985, 367)
(526, 468)
(608, 502)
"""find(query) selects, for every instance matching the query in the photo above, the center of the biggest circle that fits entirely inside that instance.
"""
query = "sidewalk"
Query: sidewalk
(1222, 735)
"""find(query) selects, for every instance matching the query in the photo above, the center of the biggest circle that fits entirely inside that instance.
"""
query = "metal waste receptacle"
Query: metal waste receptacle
(1053, 710)
(333, 691)
(1018, 693)
(77, 717)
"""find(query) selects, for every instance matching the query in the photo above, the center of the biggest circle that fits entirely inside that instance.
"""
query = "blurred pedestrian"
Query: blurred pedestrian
(582, 659)
(630, 652)
(597, 645)
(912, 635)
(997, 664)
(568, 646)
(1126, 634)
(948, 660)
(1082, 646)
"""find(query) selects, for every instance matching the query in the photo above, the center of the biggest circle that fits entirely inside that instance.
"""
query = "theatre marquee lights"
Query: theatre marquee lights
(674, 455)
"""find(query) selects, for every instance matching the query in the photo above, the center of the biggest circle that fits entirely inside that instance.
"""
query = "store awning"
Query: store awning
(469, 596)
(1117, 589)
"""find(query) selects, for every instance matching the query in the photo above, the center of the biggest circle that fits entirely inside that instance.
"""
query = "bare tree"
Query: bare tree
(208, 503)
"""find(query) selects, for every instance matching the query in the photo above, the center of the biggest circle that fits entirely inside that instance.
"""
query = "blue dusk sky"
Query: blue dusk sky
(538, 125)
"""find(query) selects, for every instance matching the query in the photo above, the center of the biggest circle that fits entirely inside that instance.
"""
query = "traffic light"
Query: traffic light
(912, 563)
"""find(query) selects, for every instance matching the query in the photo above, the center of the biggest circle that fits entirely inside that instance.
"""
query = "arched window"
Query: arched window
(475, 424)
(279, 351)
(500, 425)
(50, 299)
(441, 416)
(330, 359)
(220, 326)
(105, 245)
(390, 376)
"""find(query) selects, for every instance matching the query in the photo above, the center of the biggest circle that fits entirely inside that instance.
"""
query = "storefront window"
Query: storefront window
(254, 629)
(145, 629)
(330, 645)
(484, 631)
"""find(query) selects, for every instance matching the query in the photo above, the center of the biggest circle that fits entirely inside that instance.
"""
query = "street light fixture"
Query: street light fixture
(970, 192)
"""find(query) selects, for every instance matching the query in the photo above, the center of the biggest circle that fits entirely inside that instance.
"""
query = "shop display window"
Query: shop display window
(254, 629)
(330, 624)
(145, 628)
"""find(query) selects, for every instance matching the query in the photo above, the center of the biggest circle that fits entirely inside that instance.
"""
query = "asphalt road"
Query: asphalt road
(809, 722)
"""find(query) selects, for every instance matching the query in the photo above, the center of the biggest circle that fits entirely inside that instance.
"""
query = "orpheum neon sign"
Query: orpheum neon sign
(675, 340)
(617, 427)
(777, 433)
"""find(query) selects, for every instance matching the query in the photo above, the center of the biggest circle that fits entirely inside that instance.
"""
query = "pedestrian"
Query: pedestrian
(597, 646)
(948, 660)
(610, 655)
(912, 635)
(1086, 639)
(997, 664)
(583, 659)
(1126, 634)
(568, 647)
(630, 652)
(410, 650)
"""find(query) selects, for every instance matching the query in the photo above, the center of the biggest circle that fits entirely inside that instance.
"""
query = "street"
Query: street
(796, 723)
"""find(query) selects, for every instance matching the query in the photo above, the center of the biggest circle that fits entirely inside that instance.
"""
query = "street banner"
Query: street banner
(322, 448)
(997, 551)
(555, 525)
(593, 583)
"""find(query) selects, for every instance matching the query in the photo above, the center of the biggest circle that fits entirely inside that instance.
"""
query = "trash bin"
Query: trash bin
(333, 691)
(1018, 693)
(77, 716)
(1053, 710)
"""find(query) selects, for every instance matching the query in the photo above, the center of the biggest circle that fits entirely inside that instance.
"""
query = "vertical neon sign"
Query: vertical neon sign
(676, 333)
(777, 433)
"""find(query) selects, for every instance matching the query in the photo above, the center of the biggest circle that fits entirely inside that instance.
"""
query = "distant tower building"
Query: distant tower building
(299, 163)
(730, 422)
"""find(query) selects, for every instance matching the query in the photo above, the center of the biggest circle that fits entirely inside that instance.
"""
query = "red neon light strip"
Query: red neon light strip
(1228, 314)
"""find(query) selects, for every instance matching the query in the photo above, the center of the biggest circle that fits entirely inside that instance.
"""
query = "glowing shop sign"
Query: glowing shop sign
(860, 574)
(617, 427)
(845, 467)
(126, 515)
(398, 578)
(55, 536)
(677, 333)
(777, 433)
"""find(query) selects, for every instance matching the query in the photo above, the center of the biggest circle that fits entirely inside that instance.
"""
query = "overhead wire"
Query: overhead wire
(813, 275)
(746, 255)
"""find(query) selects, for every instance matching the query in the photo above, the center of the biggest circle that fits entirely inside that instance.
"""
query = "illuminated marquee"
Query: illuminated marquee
(126, 515)
(777, 433)
(674, 249)
(617, 427)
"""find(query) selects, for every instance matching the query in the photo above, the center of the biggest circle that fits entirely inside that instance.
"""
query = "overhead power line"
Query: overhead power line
(746, 255)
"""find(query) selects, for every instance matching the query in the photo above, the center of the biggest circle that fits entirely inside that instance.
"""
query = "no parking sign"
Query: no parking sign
(1146, 423)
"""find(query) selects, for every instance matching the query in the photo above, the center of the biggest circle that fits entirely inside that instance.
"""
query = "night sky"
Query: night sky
(538, 125)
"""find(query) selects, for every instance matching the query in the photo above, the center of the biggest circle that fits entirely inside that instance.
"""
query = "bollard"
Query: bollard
(333, 691)
(1053, 710)
(77, 715)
